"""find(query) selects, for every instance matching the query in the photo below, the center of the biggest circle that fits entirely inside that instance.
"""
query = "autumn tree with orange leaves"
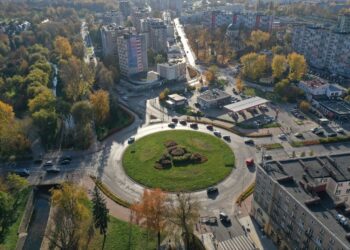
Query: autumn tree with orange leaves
(150, 211)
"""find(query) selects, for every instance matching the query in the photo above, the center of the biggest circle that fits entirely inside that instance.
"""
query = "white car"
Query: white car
(340, 131)
(282, 136)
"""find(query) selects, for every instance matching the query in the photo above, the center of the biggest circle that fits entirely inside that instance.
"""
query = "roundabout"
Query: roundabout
(178, 160)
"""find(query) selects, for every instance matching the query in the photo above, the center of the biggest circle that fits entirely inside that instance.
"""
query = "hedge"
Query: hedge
(109, 194)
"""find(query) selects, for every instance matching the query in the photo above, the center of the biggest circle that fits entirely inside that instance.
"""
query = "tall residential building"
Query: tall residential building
(132, 52)
(344, 23)
(157, 33)
(161, 5)
(304, 203)
(109, 35)
(113, 17)
(136, 18)
(323, 48)
(124, 7)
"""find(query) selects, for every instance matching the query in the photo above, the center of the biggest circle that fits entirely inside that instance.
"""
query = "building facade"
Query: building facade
(124, 7)
(175, 70)
(303, 203)
(156, 32)
(323, 48)
(132, 52)
(109, 35)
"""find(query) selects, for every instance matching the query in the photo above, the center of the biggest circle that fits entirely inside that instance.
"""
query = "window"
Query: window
(340, 184)
(348, 190)
(337, 192)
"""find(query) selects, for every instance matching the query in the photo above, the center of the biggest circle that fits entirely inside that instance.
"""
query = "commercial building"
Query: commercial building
(213, 98)
(176, 100)
(324, 48)
(156, 32)
(334, 109)
(132, 52)
(124, 7)
(304, 203)
(172, 70)
(317, 87)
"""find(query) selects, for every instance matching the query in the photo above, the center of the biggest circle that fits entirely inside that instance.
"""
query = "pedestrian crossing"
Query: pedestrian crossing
(241, 242)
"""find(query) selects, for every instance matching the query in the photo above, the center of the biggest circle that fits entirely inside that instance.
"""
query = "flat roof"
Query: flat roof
(213, 94)
(310, 171)
(337, 106)
(246, 104)
(176, 97)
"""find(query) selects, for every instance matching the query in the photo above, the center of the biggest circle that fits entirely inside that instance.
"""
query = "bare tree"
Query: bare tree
(183, 213)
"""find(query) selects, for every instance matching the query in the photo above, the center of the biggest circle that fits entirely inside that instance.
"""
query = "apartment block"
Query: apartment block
(323, 48)
(304, 203)
(156, 32)
(173, 70)
(132, 52)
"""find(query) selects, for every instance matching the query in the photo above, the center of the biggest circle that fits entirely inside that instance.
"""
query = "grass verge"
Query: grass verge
(123, 236)
(246, 193)
(271, 146)
(328, 140)
(11, 237)
(109, 194)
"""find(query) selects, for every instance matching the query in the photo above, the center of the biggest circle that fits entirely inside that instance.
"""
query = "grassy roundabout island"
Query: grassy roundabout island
(178, 160)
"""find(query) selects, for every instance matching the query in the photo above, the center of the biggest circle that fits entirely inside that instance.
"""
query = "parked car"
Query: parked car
(182, 122)
(314, 130)
(66, 158)
(248, 141)
(65, 162)
(226, 138)
(217, 133)
(340, 131)
(282, 136)
(174, 120)
(212, 190)
(23, 172)
(224, 217)
(48, 164)
(298, 135)
(194, 125)
(171, 125)
(210, 127)
(320, 132)
(131, 140)
(332, 134)
(53, 170)
(267, 157)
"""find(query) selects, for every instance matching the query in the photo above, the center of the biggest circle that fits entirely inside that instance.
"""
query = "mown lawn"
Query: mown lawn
(11, 237)
(122, 236)
(139, 161)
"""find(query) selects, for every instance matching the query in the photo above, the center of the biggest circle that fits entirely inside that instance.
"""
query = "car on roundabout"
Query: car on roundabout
(212, 191)
(171, 125)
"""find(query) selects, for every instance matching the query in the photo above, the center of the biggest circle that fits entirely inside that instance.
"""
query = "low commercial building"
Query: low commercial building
(334, 109)
(176, 100)
(304, 203)
(213, 98)
(318, 87)
(173, 70)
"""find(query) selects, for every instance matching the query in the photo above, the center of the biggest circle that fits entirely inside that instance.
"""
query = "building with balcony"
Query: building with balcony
(156, 32)
(174, 70)
(304, 203)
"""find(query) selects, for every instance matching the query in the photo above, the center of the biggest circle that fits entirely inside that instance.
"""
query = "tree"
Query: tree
(164, 94)
(239, 85)
(72, 217)
(6, 114)
(63, 47)
(100, 105)
(44, 100)
(279, 66)
(77, 79)
(254, 65)
(151, 211)
(304, 106)
(104, 77)
(47, 123)
(100, 213)
(82, 112)
(258, 38)
(297, 66)
(211, 74)
(183, 214)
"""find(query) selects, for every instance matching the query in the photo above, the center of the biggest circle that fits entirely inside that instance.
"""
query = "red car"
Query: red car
(249, 162)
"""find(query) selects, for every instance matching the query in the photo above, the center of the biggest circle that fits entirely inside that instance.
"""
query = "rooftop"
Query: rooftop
(246, 104)
(213, 94)
(177, 98)
(339, 107)
(302, 179)
(314, 83)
